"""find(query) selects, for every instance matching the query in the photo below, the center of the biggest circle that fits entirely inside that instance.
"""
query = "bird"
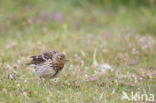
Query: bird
(48, 64)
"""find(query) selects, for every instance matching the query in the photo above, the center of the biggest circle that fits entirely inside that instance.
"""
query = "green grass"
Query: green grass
(124, 37)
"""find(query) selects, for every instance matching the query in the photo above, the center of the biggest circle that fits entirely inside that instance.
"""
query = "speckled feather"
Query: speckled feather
(48, 64)
(42, 57)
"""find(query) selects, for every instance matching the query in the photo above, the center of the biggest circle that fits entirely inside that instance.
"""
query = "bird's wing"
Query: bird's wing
(36, 60)
(41, 58)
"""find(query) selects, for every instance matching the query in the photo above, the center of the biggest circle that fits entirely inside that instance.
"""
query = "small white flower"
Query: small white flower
(18, 85)
(24, 93)
(25, 81)
(86, 76)
(10, 76)
(104, 67)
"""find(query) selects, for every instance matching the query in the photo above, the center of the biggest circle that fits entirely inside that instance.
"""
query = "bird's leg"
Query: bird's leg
(41, 80)
(56, 81)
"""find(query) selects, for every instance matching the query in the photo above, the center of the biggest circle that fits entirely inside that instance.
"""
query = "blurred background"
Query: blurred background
(92, 15)
(78, 27)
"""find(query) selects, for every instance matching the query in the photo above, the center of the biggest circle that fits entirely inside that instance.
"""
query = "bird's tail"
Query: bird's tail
(28, 63)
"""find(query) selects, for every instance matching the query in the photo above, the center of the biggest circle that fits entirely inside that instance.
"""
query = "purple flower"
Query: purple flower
(72, 80)
(132, 84)
(27, 8)
(81, 72)
(133, 62)
(35, 20)
(51, 89)
(93, 79)
(137, 76)
(58, 16)
(90, 36)
(46, 16)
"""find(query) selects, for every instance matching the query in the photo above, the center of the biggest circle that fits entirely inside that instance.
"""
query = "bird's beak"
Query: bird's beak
(67, 60)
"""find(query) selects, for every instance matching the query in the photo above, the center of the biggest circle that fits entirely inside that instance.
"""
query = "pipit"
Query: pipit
(48, 64)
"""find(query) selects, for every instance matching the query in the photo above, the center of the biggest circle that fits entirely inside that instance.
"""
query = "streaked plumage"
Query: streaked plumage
(48, 64)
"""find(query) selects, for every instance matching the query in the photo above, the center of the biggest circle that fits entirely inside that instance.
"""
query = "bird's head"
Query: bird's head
(60, 59)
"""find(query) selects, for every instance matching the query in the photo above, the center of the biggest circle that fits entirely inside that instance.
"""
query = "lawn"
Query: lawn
(91, 35)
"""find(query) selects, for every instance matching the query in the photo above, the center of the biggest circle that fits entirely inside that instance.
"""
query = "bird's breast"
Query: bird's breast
(45, 70)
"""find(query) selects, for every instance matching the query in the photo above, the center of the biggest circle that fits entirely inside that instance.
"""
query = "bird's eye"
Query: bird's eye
(59, 58)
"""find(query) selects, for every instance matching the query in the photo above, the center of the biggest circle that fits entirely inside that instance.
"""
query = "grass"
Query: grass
(123, 37)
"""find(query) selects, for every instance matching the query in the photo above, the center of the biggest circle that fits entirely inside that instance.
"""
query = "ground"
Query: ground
(90, 35)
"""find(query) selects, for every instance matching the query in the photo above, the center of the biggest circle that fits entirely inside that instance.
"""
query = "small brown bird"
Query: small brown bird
(48, 64)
